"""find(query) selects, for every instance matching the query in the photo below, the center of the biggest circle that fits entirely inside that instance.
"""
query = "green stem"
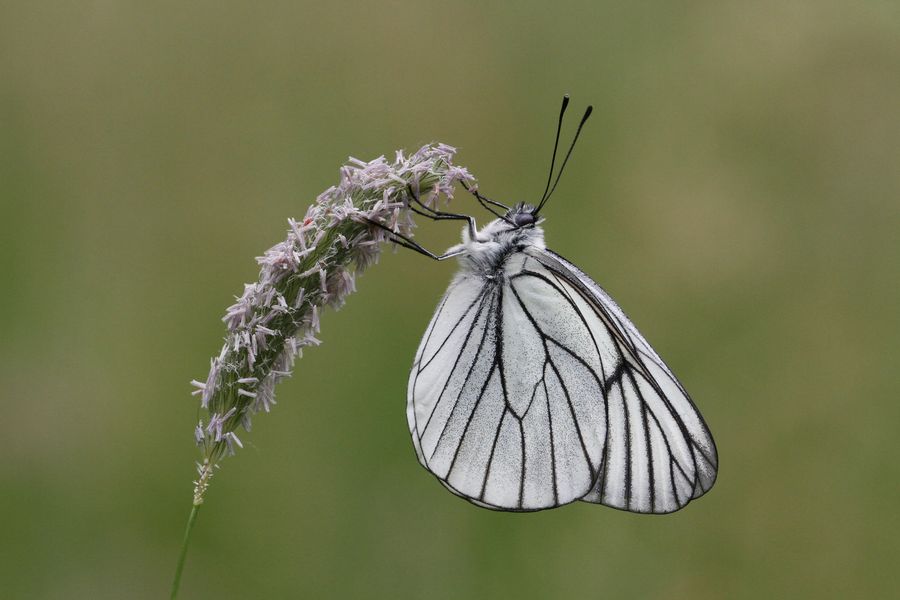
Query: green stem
(184, 546)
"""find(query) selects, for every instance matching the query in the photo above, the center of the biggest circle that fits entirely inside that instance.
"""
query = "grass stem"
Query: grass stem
(184, 546)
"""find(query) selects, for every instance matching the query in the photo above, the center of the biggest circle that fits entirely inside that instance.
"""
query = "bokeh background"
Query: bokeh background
(737, 191)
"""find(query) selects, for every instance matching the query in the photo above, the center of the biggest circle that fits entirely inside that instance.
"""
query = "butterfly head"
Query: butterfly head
(519, 226)
(522, 215)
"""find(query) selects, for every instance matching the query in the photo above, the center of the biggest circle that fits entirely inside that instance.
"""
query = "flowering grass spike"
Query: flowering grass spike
(315, 266)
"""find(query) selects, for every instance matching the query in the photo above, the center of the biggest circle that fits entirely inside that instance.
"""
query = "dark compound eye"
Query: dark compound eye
(522, 219)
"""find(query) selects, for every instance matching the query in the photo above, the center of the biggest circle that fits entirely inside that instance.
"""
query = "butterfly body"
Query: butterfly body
(531, 389)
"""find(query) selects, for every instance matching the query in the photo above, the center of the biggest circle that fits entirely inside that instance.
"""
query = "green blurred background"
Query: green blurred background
(737, 191)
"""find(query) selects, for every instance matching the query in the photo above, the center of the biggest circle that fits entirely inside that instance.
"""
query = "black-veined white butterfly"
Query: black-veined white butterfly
(531, 388)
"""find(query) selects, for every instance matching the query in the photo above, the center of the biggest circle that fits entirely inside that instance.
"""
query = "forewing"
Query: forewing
(658, 452)
(500, 411)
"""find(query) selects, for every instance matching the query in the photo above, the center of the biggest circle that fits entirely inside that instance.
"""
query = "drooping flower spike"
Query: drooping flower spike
(316, 266)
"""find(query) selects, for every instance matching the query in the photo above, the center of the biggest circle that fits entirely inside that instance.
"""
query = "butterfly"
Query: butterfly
(531, 389)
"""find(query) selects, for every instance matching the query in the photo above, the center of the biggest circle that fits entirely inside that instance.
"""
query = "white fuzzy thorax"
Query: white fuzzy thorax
(485, 254)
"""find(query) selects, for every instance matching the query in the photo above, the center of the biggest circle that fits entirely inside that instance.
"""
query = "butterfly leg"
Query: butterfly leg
(485, 201)
(437, 215)
(402, 240)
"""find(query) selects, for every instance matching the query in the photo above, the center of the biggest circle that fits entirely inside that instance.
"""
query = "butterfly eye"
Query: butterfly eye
(523, 219)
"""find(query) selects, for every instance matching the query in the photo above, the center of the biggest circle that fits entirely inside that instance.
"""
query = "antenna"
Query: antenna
(587, 113)
(562, 112)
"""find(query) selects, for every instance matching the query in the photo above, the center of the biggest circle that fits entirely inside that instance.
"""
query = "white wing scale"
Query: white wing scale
(535, 391)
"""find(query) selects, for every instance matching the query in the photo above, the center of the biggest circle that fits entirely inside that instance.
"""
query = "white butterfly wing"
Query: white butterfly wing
(533, 392)
(659, 453)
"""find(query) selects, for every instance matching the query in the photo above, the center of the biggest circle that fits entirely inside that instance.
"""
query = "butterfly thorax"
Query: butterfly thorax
(486, 254)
